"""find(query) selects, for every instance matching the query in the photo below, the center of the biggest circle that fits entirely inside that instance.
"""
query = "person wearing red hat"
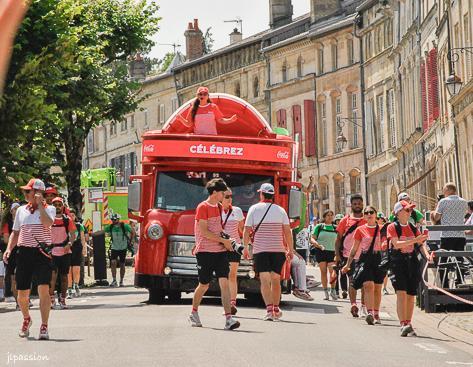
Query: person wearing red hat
(204, 115)
(31, 233)
(63, 234)
(49, 194)
(403, 239)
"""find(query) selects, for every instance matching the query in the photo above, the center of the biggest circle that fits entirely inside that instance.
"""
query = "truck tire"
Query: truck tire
(156, 296)
(174, 296)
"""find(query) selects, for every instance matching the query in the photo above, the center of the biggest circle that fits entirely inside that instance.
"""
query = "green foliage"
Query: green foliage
(208, 41)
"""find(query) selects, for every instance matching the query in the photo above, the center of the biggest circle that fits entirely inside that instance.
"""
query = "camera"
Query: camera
(238, 248)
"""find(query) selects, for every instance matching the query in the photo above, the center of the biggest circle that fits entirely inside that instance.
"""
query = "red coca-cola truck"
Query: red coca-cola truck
(176, 164)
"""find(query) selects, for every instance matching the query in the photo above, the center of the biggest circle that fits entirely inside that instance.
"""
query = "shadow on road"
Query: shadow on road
(101, 306)
(309, 307)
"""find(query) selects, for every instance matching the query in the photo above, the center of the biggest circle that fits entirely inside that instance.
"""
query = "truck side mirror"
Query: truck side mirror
(295, 203)
(134, 197)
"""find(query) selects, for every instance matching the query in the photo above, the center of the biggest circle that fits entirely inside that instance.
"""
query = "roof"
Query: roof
(178, 59)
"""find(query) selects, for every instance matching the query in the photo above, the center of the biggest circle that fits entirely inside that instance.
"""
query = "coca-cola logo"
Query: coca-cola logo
(148, 148)
(283, 155)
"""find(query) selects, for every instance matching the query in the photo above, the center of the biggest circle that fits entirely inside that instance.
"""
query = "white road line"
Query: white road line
(429, 347)
(460, 363)
(309, 310)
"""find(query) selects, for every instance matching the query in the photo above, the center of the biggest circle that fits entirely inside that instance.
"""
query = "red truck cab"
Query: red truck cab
(176, 165)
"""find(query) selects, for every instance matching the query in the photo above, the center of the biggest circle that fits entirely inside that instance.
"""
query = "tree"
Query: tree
(208, 41)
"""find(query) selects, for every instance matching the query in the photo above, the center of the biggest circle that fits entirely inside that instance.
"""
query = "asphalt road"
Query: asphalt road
(113, 327)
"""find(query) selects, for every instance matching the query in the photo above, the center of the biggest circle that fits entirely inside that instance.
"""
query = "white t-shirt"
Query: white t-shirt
(232, 223)
(30, 227)
(270, 236)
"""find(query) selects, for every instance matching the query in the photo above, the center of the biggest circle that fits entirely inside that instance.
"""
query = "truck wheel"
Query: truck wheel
(174, 296)
(156, 296)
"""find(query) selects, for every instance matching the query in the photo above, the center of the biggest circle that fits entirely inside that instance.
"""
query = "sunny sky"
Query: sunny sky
(212, 13)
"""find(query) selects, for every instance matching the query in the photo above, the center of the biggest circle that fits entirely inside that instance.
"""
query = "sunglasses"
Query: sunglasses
(369, 212)
(26, 191)
(203, 94)
(228, 196)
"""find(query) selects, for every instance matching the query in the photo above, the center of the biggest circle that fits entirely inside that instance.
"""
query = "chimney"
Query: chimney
(194, 41)
(320, 9)
(235, 36)
(280, 13)
(137, 68)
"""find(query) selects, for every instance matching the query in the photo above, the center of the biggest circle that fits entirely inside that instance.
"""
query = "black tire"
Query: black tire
(156, 296)
(174, 296)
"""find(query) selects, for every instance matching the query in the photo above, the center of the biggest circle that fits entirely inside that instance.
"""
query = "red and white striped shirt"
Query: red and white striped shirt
(211, 214)
(270, 235)
(233, 222)
(30, 227)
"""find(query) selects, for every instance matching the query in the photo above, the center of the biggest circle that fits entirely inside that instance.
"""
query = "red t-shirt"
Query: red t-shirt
(5, 229)
(59, 235)
(211, 214)
(406, 234)
(205, 121)
(365, 235)
(344, 225)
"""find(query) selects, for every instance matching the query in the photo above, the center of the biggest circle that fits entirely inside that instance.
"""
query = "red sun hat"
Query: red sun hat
(51, 190)
(34, 184)
(202, 90)
(58, 199)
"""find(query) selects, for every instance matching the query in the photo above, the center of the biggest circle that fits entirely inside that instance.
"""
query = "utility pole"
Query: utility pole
(174, 45)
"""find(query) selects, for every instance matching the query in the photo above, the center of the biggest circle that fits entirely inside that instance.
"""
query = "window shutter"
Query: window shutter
(435, 85)
(309, 119)
(425, 122)
(281, 117)
(430, 92)
(297, 128)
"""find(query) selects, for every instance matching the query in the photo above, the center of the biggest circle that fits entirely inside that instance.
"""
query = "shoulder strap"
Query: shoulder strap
(350, 230)
(398, 228)
(226, 218)
(65, 221)
(122, 225)
(373, 240)
(413, 229)
(262, 219)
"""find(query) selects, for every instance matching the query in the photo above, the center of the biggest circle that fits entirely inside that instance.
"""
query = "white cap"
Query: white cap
(403, 196)
(267, 188)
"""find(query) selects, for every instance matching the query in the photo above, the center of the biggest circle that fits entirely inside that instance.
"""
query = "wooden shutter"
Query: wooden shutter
(429, 88)
(434, 85)
(425, 122)
(297, 128)
(309, 119)
(281, 117)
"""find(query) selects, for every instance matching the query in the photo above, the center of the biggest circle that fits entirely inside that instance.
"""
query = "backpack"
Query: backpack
(322, 229)
(128, 240)
(387, 254)
(350, 230)
(65, 224)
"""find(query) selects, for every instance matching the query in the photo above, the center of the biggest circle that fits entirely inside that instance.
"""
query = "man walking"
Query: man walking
(211, 252)
(271, 239)
(32, 227)
(121, 235)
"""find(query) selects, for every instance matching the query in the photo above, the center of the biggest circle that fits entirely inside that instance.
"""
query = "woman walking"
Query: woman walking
(323, 240)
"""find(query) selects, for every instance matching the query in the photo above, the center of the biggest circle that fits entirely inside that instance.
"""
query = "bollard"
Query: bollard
(100, 262)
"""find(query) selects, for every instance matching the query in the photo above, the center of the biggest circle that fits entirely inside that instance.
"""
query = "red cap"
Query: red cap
(50, 190)
(34, 184)
(403, 204)
(58, 199)
(202, 90)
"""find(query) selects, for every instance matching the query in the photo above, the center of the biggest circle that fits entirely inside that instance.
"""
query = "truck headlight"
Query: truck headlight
(155, 231)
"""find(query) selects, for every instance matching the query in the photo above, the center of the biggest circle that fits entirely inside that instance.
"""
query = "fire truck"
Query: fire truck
(177, 164)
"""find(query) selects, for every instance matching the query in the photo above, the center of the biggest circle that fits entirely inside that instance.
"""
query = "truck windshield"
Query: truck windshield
(178, 191)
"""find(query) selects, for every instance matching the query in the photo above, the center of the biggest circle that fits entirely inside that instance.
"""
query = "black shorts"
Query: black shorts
(76, 256)
(324, 256)
(402, 275)
(62, 264)
(372, 272)
(266, 262)
(233, 256)
(118, 254)
(30, 262)
(10, 267)
(210, 262)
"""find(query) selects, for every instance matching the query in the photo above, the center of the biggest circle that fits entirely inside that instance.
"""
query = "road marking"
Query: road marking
(460, 363)
(429, 347)
(307, 309)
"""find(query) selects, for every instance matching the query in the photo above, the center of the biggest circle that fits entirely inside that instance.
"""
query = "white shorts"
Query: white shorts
(2, 269)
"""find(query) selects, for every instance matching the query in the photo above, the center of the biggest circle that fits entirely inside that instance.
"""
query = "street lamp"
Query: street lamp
(341, 140)
(454, 84)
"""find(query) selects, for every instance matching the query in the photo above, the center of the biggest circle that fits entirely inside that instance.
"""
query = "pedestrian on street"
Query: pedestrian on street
(121, 237)
(404, 238)
(344, 243)
(367, 248)
(233, 224)
(211, 252)
(50, 194)
(299, 276)
(416, 218)
(63, 235)
(267, 224)
(32, 234)
(323, 240)
(79, 251)
(204, 115)
(7, 228)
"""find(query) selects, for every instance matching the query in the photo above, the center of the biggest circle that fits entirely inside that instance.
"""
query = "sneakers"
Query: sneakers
(62, 303)
(377, 320)
(313, 283)
(76, 290)
(406, 330)
(333, 294)
(69, 294)
(43, 332)
(385, 291)
(302, 295)
(363, 312)
(344, 294)
(327, 295)
(53, 302)
(277, 315)
(268, 317)
(113, 283)
(10, 299)
(233, 310)
(25, 328)
(231, 324)
(194, 319)
(121, 284)
(369, 319)
(354, 310)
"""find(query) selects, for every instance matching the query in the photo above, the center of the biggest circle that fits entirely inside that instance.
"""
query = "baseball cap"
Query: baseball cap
(50, 190)
(58, 199)
(381, 215)
(14, 206)
(267, 188)
(339, 217)
(114, 216)
(403, 205)
(34, 184)
(202, 90)
(403, 196)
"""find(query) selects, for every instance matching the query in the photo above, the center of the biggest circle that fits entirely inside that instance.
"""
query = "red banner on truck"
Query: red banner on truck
(197, 149)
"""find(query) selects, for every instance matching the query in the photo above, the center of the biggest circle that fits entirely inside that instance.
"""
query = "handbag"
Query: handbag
(363, 263)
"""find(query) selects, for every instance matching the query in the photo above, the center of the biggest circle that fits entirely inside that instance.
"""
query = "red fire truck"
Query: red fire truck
(176, 164)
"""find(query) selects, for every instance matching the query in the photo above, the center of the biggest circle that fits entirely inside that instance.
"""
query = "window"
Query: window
(284, 72)
(124, 125)
(334, 57)
(113, 128)
(299, 66)
(338, 123)
(320, 60)
(391, 119)
(90, 142)
(371, 136)
(380, 125)
(256, 87)
(237, 89)
(146, 118)
(355, 182)
(351, 52)
(466, 30)
(162, 114)
(354, 124)
(324, 192)
(132, 121)
(354, 102)
(323, 140)
(339, 190)
(125, 166)
(174, 104)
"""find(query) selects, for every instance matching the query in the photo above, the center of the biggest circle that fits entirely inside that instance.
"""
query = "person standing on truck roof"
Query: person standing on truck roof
(271, 231)
(121, 235)
(204, 115)
(233, 224)
(211, 252)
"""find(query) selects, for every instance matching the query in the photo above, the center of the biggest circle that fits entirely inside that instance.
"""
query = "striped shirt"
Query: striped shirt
(205, 121)
(233, 222)
(30, 227)
(270, 235)
(59, 235)
(210, 213)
